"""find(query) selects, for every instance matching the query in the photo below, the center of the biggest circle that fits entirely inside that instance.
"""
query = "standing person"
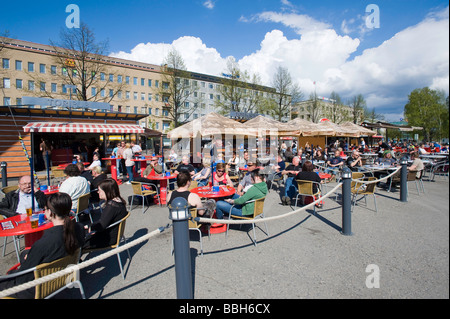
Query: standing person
(113, 210)
(59, 241)
(46, 148)
(137, 151)
(128, 157)
(290, 188)
(121, 161)
(74, 185)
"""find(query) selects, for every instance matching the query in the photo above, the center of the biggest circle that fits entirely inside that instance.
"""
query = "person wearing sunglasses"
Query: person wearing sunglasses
(246, 181)
(220, 177)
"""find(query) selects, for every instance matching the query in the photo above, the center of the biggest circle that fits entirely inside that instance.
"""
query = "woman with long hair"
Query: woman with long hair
(61, 240)
(113, 210)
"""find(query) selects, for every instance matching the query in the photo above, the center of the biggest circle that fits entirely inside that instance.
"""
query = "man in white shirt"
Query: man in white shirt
(74, 185)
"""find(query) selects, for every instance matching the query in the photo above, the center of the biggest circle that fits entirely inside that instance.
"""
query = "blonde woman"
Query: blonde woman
(202, 177)
(128, 156)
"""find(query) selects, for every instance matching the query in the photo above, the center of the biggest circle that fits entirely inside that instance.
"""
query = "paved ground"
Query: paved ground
(304, 256)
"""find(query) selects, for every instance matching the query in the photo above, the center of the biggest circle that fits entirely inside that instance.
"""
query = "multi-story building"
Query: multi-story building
(31, 69)
(324, 108)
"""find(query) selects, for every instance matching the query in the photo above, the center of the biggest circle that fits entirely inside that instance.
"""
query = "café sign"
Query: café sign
(70, 104)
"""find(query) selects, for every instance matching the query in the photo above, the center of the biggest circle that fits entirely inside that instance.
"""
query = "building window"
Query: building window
(111, 93)
(6, 101)
(6, 83)
(127, 79)
(135, 80)
(30, 66)
(149, 83)
(142, 96)
(119, 79)
(127, 95)
(102, 93)
(19, 101)
(102, 76)
(165, 112)
(53, 69)
(119, 94)
(54, 87)
(135, 95)
(157, 112)
(149, 111)
(42, 86)
(128, 109)
(156, 83)
(157, 125)
(135, 110)
(111, 78)
(142, 81)
(42, 68)
(30, 85)
(144, 110)
(149, 96)
(18, 65)
(5, 63)
(19, 84)
(93, 91)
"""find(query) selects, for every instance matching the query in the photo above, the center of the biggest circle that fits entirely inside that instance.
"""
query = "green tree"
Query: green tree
(426, 108)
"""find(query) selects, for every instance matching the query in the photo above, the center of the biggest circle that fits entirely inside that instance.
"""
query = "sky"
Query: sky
(382, 49)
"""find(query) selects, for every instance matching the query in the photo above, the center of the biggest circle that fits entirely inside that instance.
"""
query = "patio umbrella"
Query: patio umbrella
(303, 127)
(358, 128)
(264, 125)
(210, 124)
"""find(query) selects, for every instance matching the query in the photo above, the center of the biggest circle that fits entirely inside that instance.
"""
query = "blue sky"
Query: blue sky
(324, 41)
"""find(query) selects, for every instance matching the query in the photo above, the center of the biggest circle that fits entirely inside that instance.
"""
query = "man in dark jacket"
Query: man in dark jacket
(16, 202)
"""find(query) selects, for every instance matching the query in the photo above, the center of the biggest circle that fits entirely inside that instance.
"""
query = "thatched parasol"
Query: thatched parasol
(262, 125)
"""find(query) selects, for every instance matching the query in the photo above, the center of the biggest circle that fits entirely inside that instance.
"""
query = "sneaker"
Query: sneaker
(128, 183)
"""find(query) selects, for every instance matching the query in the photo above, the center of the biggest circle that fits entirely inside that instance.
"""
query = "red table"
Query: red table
(113, 168)
(22, 226)
(162, 185)
(51, 190)
(324, 175)
(206, 192)
(143, 162)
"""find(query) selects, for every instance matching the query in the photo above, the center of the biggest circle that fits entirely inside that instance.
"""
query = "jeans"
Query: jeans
(291, 187)
(130, 173)
(202, 182)
(222, 207)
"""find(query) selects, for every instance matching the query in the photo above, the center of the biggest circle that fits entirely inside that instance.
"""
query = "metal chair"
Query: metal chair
(308, 188)
(440, 170)
(120, 238)
(139, 191)
(363, 189)
(51, 288)
(83, 206)
(278, 178)
(258, 210)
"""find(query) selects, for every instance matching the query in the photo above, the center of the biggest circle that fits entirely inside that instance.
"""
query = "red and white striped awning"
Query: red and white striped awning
(58, 127)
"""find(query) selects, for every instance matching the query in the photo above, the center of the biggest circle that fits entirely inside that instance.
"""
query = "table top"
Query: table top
(369, 154)
(160, 177)
(22, 226)
(324, 175)
(51, 190)
(380, 167)
(443, 155)
(206, 191)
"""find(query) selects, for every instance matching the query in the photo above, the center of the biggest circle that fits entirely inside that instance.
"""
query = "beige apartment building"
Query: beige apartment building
(323, 109)
(31, 69)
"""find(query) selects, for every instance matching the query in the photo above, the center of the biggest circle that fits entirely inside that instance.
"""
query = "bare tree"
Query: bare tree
(81, 61)
(177, 89)
(287, 93)
(314, 108)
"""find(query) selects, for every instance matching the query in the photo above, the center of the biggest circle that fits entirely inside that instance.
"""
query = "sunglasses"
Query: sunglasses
(220, 170)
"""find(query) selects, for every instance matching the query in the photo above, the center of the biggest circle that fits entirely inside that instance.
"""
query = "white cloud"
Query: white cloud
(209, 4)
(413, 58)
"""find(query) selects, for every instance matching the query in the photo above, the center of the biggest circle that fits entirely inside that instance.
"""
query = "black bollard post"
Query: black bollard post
(346, 202)
(179, 214)
(404, 179)
(4, 174)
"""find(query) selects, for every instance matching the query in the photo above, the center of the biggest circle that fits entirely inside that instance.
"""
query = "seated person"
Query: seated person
(334, 164)
(98, 177)
(16, 202)
(114, 209)
(354, 162)
(308, 174)
(152, 169)
(319, 156)
(290, 188)
(202, 177)
(246, 182)
(74, 185)
(387, 160)
(278, 168)
(256, 191)
(85, 173)
(422, 150)
(59, 241)
(233, 162)
(95, 161)
(220, 177)
(183, 183)
(185, 166)
(417, 164)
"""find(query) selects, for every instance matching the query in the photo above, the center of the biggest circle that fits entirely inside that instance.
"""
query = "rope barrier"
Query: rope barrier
(377, 180)
(76, 268)
(228, 221)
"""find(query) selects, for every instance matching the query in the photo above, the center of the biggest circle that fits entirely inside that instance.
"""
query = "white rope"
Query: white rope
(76, 268)
(228, 221)
(377, 180)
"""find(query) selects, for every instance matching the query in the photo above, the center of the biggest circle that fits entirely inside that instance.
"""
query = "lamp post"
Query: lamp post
(346, 202)
(179, 214)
